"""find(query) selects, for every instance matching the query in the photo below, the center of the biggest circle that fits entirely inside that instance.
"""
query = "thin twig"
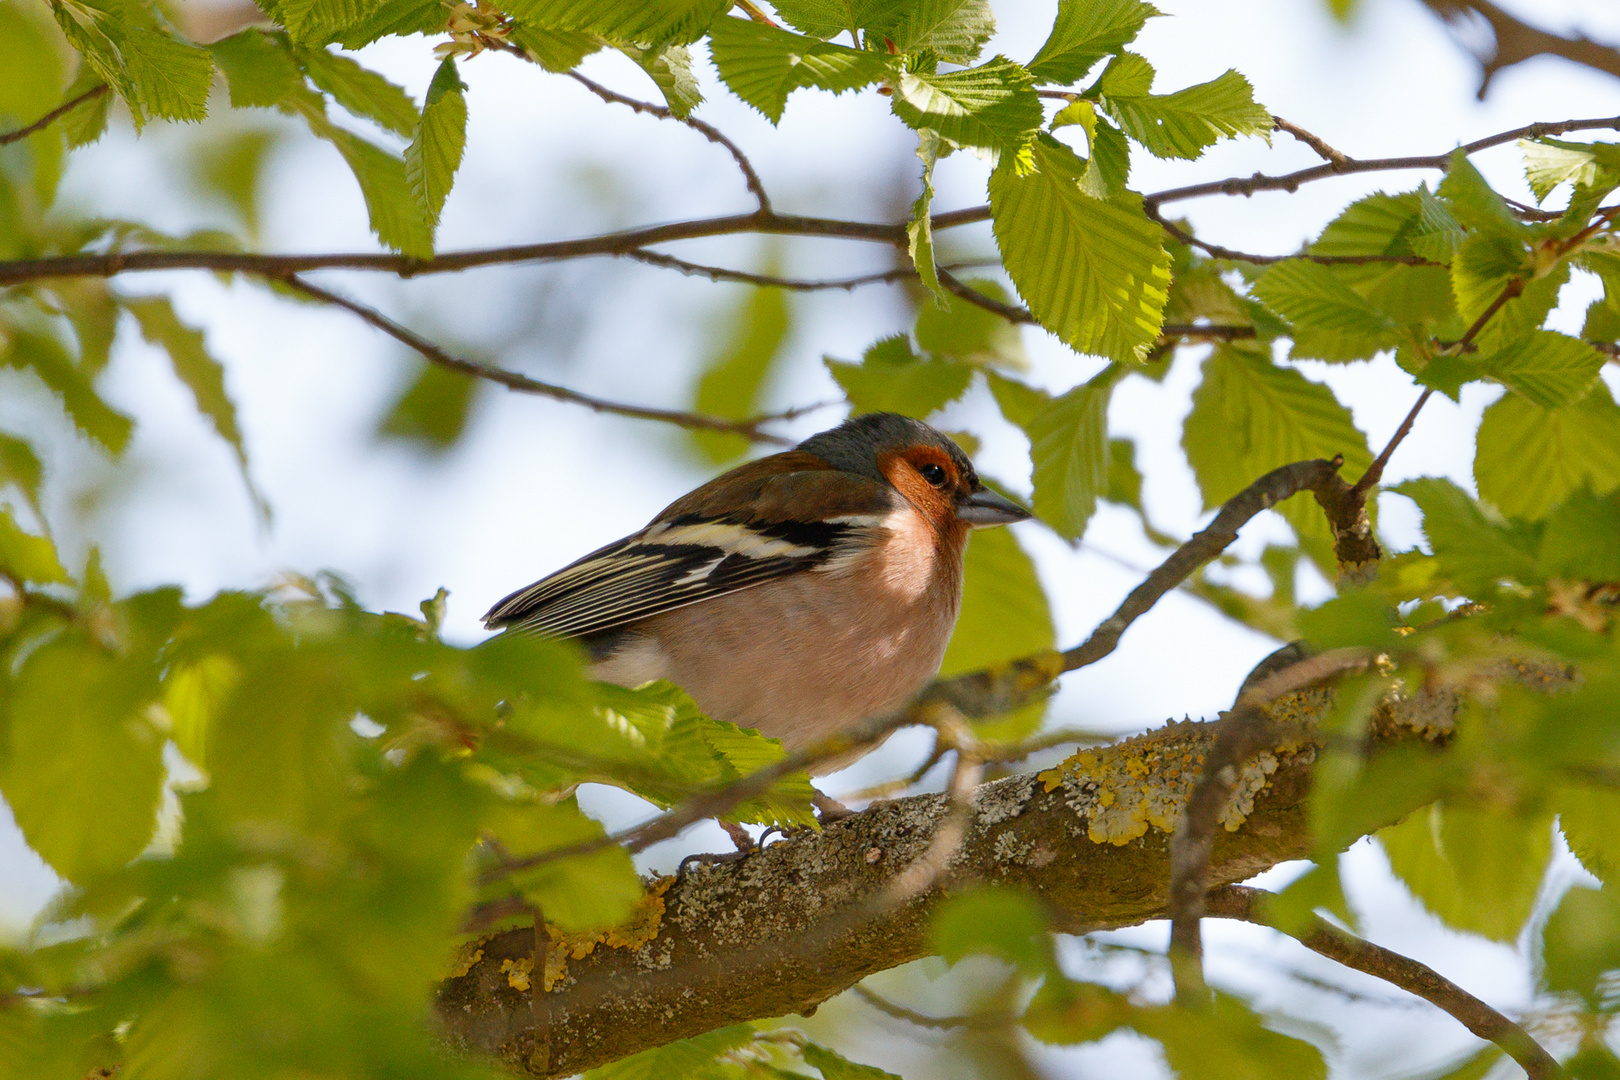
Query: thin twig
(938, 1023)
(1239, 735)
(1375, 471)
(1323, 150)
(721, 273)
(278, 266)
(46, 120)
(707, 130)
(1320, 936)
(748, 429)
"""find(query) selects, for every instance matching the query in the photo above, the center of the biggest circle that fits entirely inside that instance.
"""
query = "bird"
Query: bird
(795, 594)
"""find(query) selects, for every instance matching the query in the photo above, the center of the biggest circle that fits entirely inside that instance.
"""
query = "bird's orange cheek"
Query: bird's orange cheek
(934, 504)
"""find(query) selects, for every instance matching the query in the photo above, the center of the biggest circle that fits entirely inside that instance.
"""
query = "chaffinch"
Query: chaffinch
(795, 594)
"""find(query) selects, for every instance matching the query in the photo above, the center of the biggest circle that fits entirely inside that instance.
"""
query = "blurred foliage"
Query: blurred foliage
(334, 786)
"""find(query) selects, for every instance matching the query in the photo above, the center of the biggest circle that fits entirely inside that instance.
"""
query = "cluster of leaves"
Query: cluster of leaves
(339, 793)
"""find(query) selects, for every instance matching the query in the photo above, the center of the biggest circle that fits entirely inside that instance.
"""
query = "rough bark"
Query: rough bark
(797, 923)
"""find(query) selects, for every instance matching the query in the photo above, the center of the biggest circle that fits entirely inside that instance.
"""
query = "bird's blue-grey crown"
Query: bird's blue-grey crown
(857, 444)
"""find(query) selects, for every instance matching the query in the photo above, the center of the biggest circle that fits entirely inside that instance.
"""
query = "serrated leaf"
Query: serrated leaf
(1093, 271)
(259, 69)
(26, 557)
(1484, 266)
(1068, 445)
(764, 64)
(688, 1057)
(966, 331)
(1550, 369)
(554, 50)
(1474, 550)
(993, 105)
(87, 122)
(953, 30)
(1451, 855)
(895, 380)
(1473, 203)
(315, 22)
(1376, 224)
(670, 68)
(1332, 321)
(1182, 124)
(1528, 459)
(168, 78)
(1085, 31)
(203, 375)
(828, 18)
(19, 465)
(49, 361)
(734, 376)
(835, 1066)
(397, 18)
(1589, 818)
(644, 22)
(1580, 944)
(435, 153)
(79, 740)
(1250, 416)
(1004, 616)
(584, 892)
(1550, 162)
(920, 229)
(394, 215)
(363, 92)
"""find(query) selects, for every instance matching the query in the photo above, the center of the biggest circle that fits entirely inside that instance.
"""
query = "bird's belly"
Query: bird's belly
(833, 655)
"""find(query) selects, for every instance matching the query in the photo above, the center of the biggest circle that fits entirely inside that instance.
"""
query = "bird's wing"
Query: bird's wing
(686, 556)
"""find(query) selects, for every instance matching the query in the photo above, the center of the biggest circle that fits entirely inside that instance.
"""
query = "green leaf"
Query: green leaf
(199, 371)
(670, 68)
(1004, 616)
(85, 768)
(1228, 1041)
(953, 30)
(890, 378)
(315, 22)
(1589, 818)
(169, 78)
(398, 18)
(259, 69)
(1550, 162)
(85, 123)
(764, 64)
(1474, 204)
(1127, 75)
(554, 50)
(584, 892)
(968, 332)
(1085, 32)
(1019, 402)
(995, 921)
(1093, 271)
(232, 166)
(391, 207)
(828, 18)
(1473, 549)
(433, 409)
(1377, 224)
(1578, 542)
(834, 1066)
(920, 229)
(19, 465)
(366, 93)
(1581, 943)
(25, 557)
(1528, 459)
(1250, 416)
(1451, 855)
(645, 22)
(1331, 321)
(1550, 369)
(993, 105)
(31, 67)
(435, 153)
(688, 1057)
(1182, 124)
(93, 417)
(1068, 445)
(733, 379)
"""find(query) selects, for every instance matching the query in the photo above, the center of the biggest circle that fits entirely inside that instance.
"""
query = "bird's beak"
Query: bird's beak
(985, 507)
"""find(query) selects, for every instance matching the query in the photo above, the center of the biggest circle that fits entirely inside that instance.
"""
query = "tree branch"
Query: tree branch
(752, 938)
(18, 271)
(748, 429)
(1320, 936)
(50, 117)
(1515, 41)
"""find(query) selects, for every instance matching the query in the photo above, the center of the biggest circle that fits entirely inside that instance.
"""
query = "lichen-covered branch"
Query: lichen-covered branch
(749, 939)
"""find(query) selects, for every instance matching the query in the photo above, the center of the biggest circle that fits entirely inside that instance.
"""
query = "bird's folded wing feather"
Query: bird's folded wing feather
(692, 553)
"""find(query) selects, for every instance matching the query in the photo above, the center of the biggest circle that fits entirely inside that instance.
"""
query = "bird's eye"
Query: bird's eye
(932, 473)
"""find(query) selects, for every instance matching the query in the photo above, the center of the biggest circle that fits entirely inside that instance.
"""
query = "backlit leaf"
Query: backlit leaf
(435, 153)
(1085, 32)
(1528, 459)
